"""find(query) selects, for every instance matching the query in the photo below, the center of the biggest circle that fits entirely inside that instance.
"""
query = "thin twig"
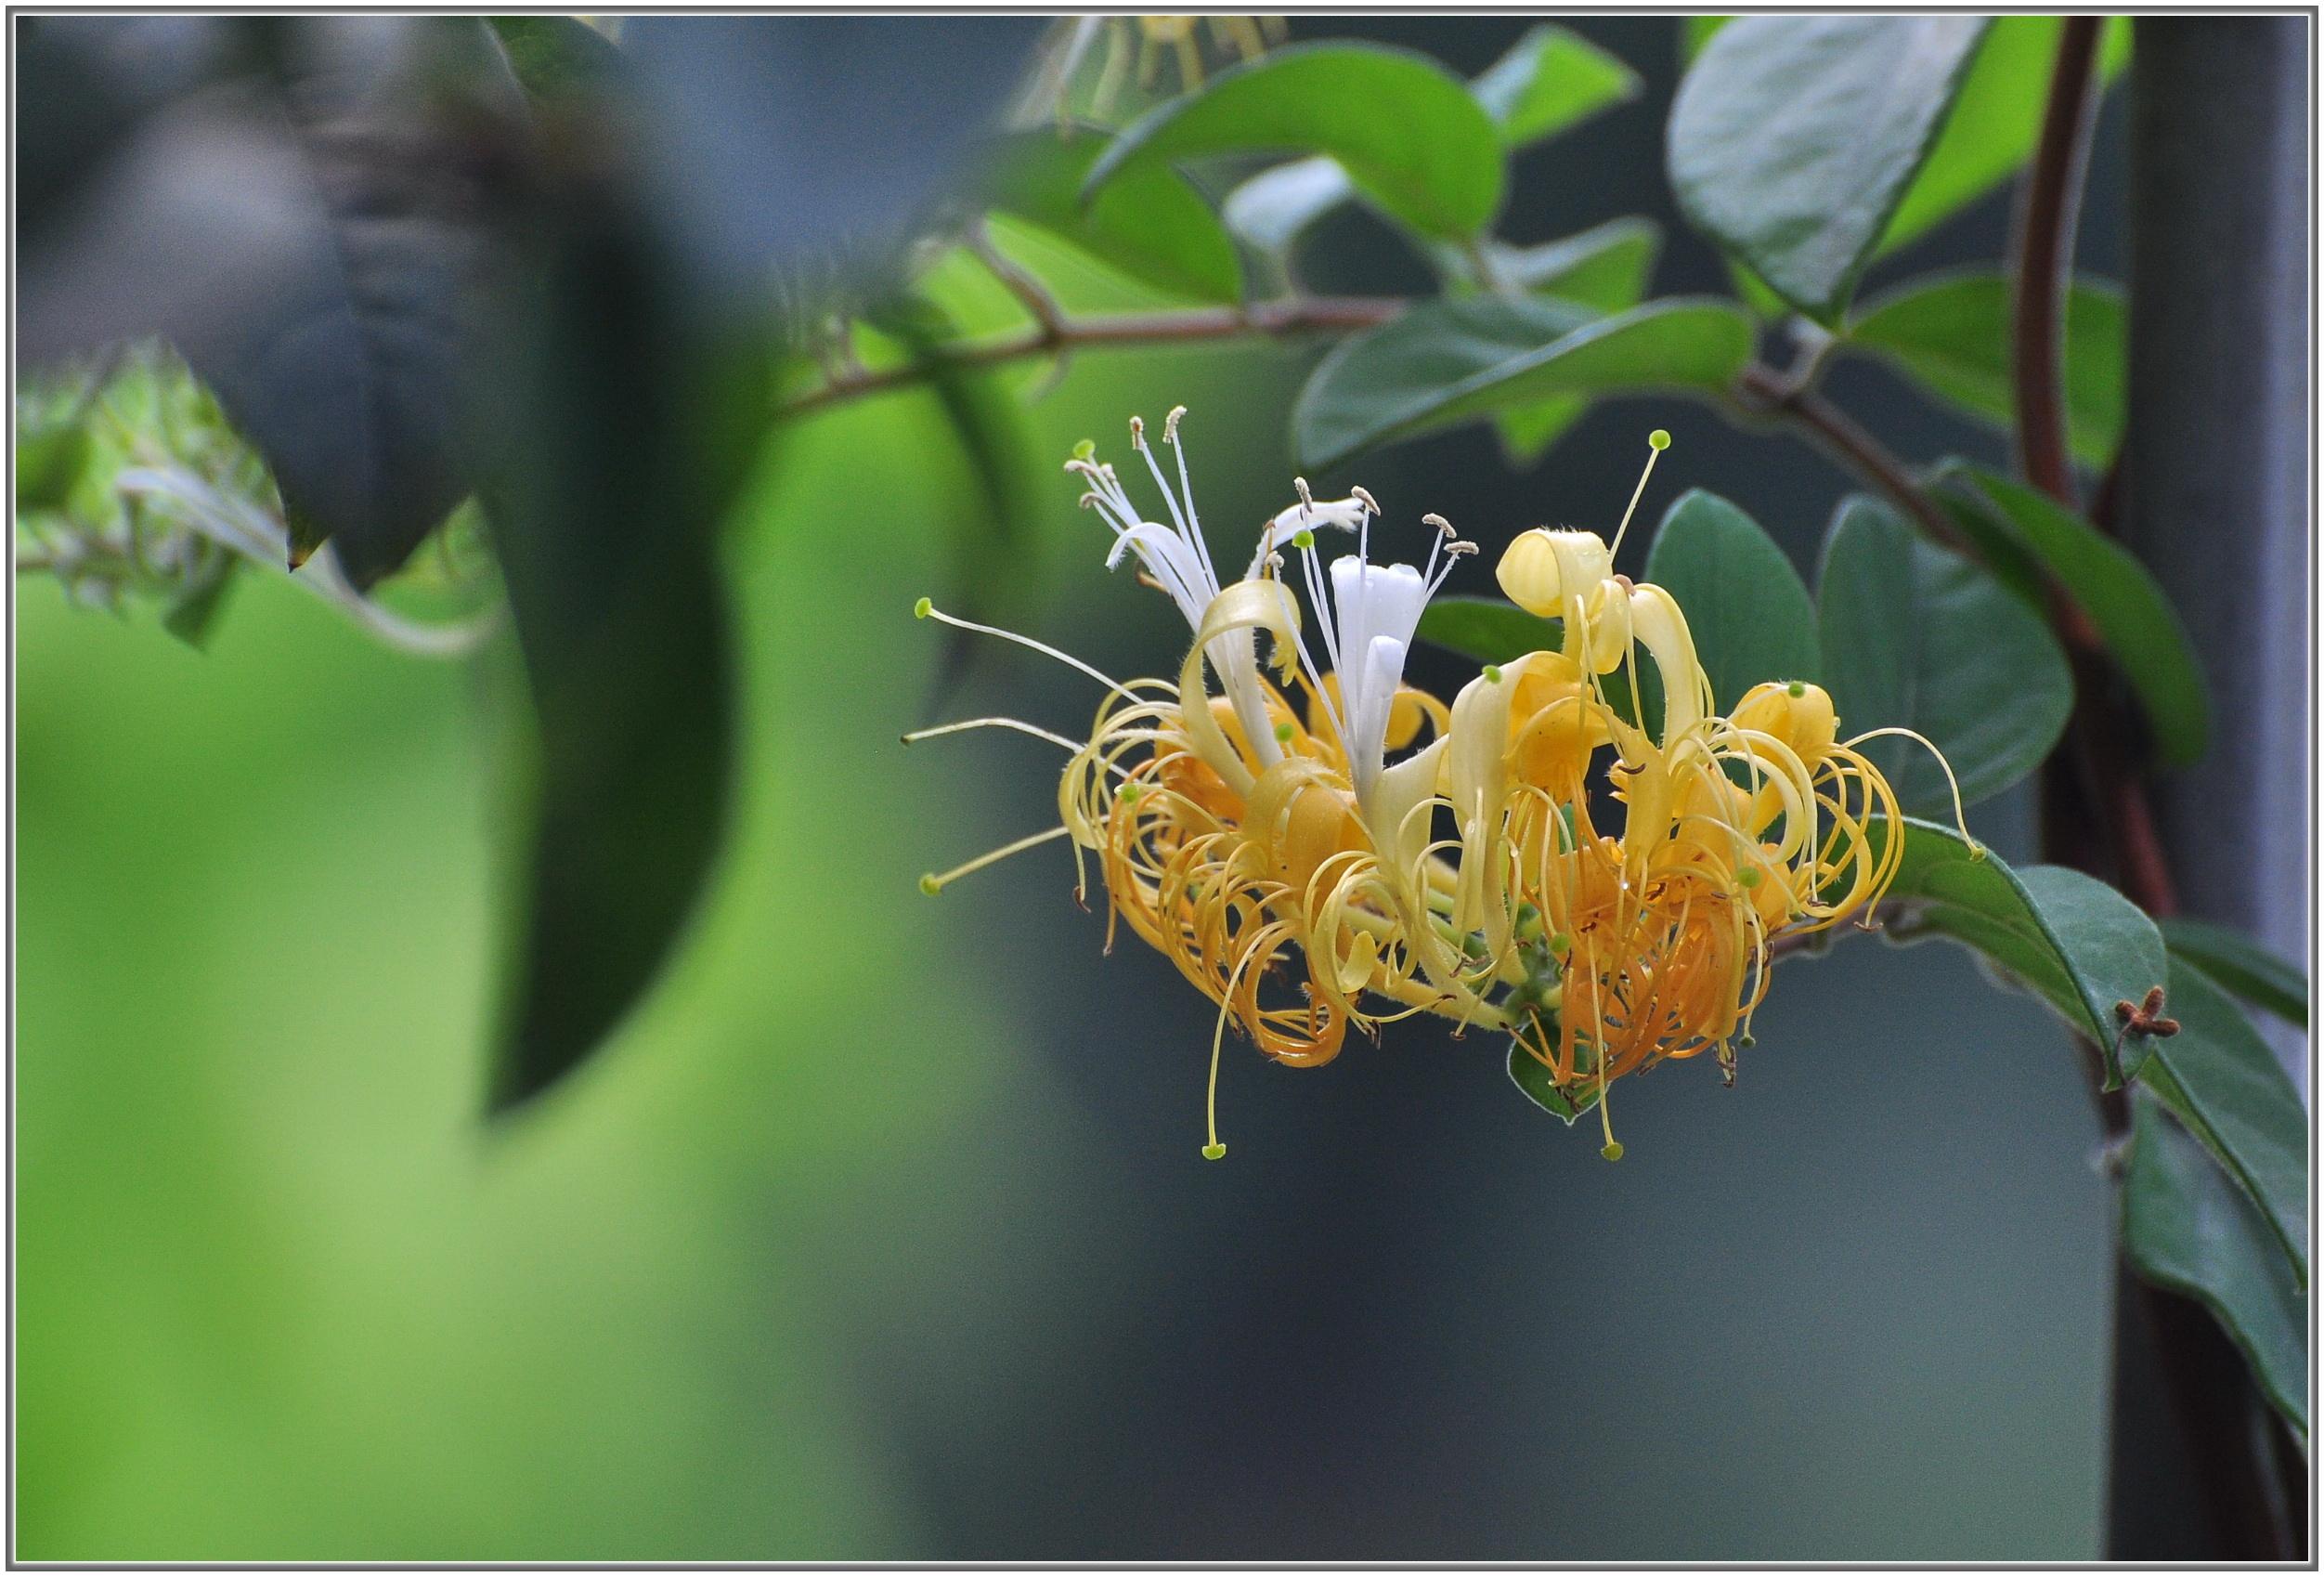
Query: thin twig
(1264, 320)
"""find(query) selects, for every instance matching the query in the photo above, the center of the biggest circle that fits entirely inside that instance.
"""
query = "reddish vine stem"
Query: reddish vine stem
(2044, 257)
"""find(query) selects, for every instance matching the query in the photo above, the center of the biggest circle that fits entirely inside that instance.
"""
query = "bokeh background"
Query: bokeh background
(881, 1232)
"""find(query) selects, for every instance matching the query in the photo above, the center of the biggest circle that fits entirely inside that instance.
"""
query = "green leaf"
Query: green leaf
(1407, 131)
(50, 462)
(192, 614)
(560, 61)
(1696, 31)
(1916, 638)
(2073, 941)
(2243, 964)
(1529, 1074)
(1150, 223)
(1950, 335)
(1551, 80)
(2129, 608)
(1744, 602)
(1487, 629)
(2186, 1227)
(2224, 1082)
(1997, 120)
(1606, 266)
(1446, 361)
(1795, 137)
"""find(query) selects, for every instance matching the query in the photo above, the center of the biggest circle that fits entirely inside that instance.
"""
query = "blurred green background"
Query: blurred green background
(880, 1233)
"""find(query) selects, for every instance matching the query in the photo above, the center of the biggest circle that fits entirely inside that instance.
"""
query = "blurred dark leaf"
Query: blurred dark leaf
(1794, 139)
(561, 60)
(2072, 940)
(2121, 597)
(1916, 638)
(1950, 335)
(1606, 268)
(1449, 361)
(631, 416)
(2187, 1227)
(2244, 964)
(2221, 1079)
(193, 614)
(309, 225)
(1744, 604)
(1150, 224)
(1407, 131)
(783, 138)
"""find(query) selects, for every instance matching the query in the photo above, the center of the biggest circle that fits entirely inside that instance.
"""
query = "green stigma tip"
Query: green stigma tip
(1303, 538)
(1214, 1151)
(1795, 689)
(1492, 673)
(929, 885)
(1746, 1042)
(1747, 877)
(1659, 438)
(922, 608)
(1560, 943)
(1283, 732)
(1613, 1151)
(1085, 450)
(1130, 791)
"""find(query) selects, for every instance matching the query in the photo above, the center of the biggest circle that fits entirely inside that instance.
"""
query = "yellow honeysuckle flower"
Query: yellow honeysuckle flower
(1612, 885)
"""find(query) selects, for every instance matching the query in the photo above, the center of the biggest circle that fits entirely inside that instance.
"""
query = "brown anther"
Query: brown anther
(1306, 499)
(1626, 582)
(1456, 548)
(1137, 431)
(2162, 1029)
(1439, 522)
(1363, 498)
(1170, 424)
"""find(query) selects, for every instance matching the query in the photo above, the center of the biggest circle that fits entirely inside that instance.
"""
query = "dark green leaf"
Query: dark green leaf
(1795, 137)
(1996, 120)
(2243, 964)
(1744, 602)
(1446, 361)
(1950, 335)
(1407, 131)
(1916, 638)
(2129, 608)
(1487, 629)
(2187, 1227)
(2221, 1079)
(50, 462)
(192, 614)
(1532, 1075)
(1150, 223)
(1604, 268)
(1551, 80)
(560, 61)
(2075, 942)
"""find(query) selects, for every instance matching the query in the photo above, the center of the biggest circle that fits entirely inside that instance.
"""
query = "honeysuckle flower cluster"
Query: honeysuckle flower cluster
(1319, 845)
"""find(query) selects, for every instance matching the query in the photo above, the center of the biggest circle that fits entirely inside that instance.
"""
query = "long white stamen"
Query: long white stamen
(929, 611)
(1170, 437)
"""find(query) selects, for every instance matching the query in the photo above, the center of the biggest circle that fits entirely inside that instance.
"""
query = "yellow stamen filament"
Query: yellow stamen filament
(932, 884)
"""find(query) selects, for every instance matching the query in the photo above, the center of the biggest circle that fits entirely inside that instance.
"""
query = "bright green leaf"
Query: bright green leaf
(1446, 361)
(1606, 266)
(1407, 131)
(1744, 602)
(1149, 222)
(2075, 942)
(2129, 608)
(1995, 121)
(1696, 31)
(1950, 335)
(2243, 964)
(1795, 137)
(2187, 1227)
(1551, 80)
(2223, 1081)
(1487, 629)
(1916, 638)
(50, 462)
